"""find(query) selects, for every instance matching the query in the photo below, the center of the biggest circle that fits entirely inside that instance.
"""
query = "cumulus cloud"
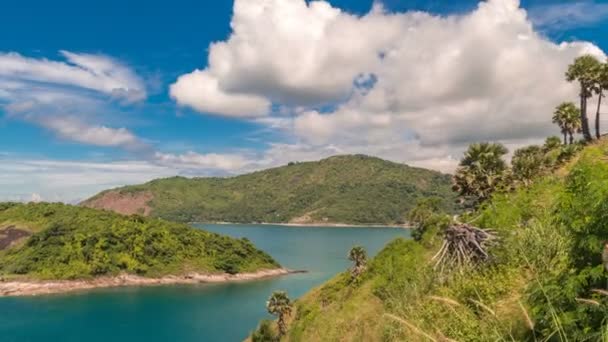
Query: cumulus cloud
(430, 84)
(202, 92)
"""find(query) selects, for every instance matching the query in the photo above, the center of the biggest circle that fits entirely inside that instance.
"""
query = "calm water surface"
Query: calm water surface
(218, 312)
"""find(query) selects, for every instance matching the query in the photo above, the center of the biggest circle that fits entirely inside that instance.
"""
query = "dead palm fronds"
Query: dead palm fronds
(464, 245)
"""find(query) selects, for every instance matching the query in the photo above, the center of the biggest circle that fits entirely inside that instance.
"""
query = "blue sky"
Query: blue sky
(105, 94)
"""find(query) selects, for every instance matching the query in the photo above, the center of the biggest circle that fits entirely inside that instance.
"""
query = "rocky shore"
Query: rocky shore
(33, 288)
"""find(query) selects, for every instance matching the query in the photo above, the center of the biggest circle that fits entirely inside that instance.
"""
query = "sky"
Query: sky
(109, 93)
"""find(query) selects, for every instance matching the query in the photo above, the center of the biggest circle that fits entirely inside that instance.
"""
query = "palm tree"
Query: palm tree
(480, 171)
(584, 70)
(567, 117)
(279, 305)
(601, 83)
(527, 163)
(552, 143)
(560, 118)
(358, 256)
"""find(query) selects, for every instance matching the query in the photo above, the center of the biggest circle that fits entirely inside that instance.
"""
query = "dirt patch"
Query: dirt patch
(11, 235)
(123, 203)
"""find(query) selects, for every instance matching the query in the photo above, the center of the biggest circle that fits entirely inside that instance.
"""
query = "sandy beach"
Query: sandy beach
(34, 288)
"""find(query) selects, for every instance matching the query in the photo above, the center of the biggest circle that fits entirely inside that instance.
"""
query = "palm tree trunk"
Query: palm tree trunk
(571, 138)
(565, 138)
(584, 120)
(597, 113)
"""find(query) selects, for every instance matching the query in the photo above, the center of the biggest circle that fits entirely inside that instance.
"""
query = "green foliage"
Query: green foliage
(280, 306)
(583, 209)
(72, 242)
(528, 163)
(546, 280)
(568, 118)
(358, 256)
(481, 171)
(584, 69)
(264, 332)
(428, 220)
(552, 143)
(348, 189)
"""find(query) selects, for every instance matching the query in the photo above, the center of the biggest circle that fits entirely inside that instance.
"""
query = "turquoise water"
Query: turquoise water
(218, 312)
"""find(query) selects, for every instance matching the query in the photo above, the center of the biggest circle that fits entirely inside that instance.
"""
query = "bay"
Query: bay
(207, 312)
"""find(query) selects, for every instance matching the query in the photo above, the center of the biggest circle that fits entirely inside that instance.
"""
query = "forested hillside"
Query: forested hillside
(341, 189)
(57, 241)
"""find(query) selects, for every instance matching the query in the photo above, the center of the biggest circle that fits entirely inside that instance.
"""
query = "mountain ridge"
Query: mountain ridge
(350, 189)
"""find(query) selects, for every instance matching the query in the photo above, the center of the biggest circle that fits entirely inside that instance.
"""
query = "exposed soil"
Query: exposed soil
(123, 203)
(10, 235)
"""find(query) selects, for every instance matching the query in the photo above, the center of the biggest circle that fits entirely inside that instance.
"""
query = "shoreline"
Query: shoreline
(317, 225)
(16, 288)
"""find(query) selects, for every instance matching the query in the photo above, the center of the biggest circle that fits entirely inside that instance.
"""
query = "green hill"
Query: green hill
(57, 241)
(544, 281)
(341, 189)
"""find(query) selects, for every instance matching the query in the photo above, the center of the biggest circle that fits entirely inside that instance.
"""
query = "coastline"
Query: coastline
(36, 288)
(318, 224)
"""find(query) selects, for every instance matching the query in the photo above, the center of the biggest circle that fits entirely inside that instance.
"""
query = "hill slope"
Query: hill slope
(545, 282)
(56, 241)
(341, 189)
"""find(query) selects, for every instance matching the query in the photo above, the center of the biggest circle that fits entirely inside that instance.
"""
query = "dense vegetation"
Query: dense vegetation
(543, 277)
(69, 242)
(346, 189)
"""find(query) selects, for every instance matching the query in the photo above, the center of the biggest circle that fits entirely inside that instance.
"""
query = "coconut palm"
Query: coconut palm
(358, 256)
(480, 171)
(567, 117)
(584, 70)
(279, 305)
(601, 84)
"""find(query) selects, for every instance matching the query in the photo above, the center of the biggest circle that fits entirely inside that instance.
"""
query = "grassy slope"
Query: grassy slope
(347, 189)
(402, 298)
(73, 242)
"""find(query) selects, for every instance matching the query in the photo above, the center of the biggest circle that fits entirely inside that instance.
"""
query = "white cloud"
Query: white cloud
(66, 96)
(35, 198)
(94, 72)
(202, 92)
(191, 160)
(76, 130)
(431, 84)
(568, 14)
(56, 180)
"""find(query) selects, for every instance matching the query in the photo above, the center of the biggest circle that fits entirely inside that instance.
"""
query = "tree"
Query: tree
(527, 163)
(425, 208)
(427, 219)
(584, 70)
(552, 143)
(567, 117)
(358, 256)
(480, 171)
(601, 84)
(264, 332)
(279, 305)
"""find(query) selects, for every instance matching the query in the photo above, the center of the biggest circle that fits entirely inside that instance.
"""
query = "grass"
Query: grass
(542, 284)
